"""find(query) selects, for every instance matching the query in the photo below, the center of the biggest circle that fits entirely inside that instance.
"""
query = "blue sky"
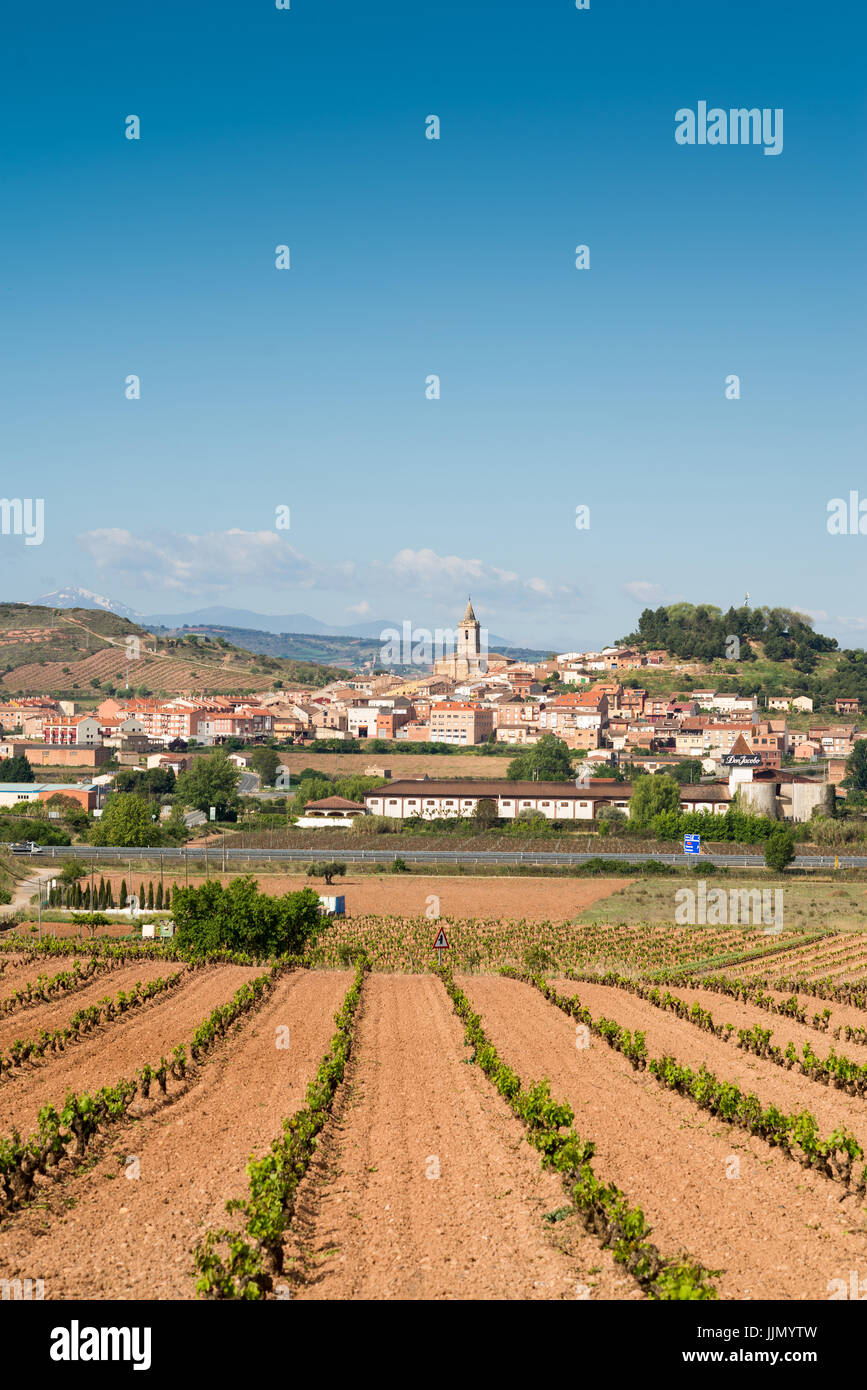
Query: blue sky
(410, 257)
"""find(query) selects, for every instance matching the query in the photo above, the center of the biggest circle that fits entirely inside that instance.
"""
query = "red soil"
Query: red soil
(405, 895)
(17, 975)
(774, 1085)
(117, 1052)
(28, 1021)
(133, 1238)
(374, 1225)
(776, 1231)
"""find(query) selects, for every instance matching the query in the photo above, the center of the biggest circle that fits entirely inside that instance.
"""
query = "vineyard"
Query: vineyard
(616, 1111)
(78, 648)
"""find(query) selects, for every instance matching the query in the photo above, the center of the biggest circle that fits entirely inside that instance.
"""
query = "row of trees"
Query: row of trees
(71, 892)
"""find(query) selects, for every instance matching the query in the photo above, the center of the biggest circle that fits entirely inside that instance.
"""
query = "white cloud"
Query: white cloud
(447, 575)
(210, 563)
(643, 591)
(216, 562)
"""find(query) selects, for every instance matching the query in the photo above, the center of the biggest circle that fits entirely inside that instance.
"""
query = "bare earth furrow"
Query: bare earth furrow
(16, 976)
(784, 1029)
(774, 1085)
(133, 1237)
(26, 1023)
(376, 1222)
(776, 1230)
(119, 1051)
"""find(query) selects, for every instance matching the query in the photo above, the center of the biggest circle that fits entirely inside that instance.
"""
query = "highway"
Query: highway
(219, 854)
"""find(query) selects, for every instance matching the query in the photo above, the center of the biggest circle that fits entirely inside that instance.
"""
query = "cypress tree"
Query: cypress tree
(158, 901)
(141, 896)
(100, 894)
(122, 898)
(150, 895)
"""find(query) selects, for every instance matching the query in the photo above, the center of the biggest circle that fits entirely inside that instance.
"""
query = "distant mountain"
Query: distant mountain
(353, 651)
(285, 626)
(249, 621)
(84, 598)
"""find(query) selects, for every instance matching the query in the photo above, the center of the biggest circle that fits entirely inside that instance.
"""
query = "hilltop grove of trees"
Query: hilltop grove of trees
(701, 633)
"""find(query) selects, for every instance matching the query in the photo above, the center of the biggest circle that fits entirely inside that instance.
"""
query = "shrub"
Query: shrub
(240, 918)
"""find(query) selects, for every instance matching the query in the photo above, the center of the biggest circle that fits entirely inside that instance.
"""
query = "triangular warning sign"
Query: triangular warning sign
(441, 944)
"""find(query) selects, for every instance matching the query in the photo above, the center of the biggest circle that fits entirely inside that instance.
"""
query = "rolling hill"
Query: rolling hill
(82, 653)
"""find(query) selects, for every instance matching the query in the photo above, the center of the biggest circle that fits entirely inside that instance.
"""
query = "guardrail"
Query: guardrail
(223, 855)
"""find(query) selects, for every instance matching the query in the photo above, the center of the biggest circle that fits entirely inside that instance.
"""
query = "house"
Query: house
(114, 729)
(587, 710)
(524, 684)
(246, 723)
(390, 720)
(836, 739)
(330, 811)
(178, 762)
(632, 702)
(76, 730)
(845, 704)
(414, 732)
(517, 734)
(516, 712)
(241, 760)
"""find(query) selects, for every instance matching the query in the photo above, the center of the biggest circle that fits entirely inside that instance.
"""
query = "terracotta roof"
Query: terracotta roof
(334, 803)
(501, 786)
(740, 746)
(705, 791)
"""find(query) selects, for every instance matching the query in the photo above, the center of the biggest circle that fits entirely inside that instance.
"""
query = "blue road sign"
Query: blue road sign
(691, 844)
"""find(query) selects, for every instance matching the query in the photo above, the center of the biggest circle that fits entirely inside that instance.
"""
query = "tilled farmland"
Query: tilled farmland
(608, 1113)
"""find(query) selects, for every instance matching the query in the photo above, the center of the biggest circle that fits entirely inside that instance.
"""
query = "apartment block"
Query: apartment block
(462, 723)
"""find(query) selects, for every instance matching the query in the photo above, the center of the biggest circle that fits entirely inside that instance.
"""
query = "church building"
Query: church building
(469, 659)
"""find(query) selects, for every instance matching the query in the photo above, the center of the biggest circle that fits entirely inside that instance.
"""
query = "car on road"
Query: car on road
(26, 847)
